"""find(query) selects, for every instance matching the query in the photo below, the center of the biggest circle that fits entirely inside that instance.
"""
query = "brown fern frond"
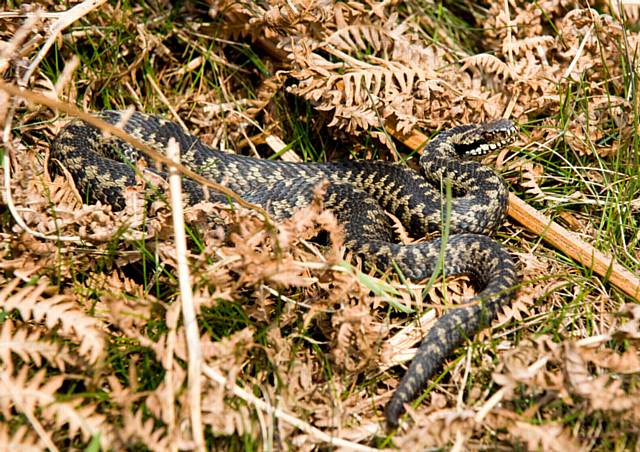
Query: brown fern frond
(353, 119)
(22, 440)
(135, 430)
(19, 393)
(523, 46)
(28, 393)
(236, 15)
(264, 94)
(290, 14)
(79, 420)
(369, 69)
(490, 64)
(359, 86)
(34, 303)
(356, 97)
(360, 37)
(29, 345)
(532, 174)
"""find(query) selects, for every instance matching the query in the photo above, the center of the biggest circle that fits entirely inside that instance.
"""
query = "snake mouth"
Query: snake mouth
(486, 138)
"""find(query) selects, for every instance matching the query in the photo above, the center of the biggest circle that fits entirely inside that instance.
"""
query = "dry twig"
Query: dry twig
(186, 297)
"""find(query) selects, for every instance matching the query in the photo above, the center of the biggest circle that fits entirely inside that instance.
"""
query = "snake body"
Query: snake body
(359, 193)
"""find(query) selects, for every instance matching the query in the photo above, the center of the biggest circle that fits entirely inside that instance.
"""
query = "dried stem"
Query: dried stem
(186, 298)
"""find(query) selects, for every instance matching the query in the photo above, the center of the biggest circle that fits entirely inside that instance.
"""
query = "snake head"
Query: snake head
(480, 139)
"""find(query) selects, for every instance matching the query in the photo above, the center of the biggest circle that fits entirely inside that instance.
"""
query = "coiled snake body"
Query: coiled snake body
(359, 193)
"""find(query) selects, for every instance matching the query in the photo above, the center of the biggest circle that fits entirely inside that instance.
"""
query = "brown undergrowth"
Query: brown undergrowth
(92, 349)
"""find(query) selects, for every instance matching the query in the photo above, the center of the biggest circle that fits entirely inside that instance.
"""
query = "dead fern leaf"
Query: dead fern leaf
(440, 427)
(356, 335)
(601, 392)
(21, 393)
(30, 346)
(223, 419)
(135, 429)
(360, 36)
(630, 329)
(490, 64)
(374, 71)
(22, 440)
(34, 303)
(354, 119)
(573, 371)
(551, 437)
(523, 46)
(79, 420)
(532, 174)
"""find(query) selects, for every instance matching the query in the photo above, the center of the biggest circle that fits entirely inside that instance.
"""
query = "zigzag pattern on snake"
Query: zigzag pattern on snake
(359, 193)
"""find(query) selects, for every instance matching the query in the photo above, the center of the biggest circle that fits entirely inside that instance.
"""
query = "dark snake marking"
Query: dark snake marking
(358, 193)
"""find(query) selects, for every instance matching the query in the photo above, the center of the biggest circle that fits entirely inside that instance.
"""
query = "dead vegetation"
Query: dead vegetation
(93, 350)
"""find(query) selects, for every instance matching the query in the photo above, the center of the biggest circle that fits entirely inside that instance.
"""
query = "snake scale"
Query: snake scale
(359, 193)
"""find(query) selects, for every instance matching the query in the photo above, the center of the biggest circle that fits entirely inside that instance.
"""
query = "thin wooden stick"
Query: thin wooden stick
(186, 299)
(567, 242)
(551, 232)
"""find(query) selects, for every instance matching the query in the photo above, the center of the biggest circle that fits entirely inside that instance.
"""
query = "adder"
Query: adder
(359, 193)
